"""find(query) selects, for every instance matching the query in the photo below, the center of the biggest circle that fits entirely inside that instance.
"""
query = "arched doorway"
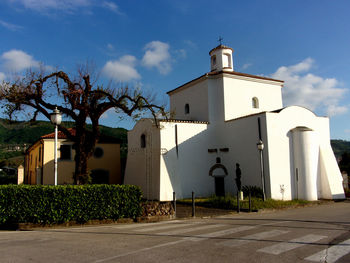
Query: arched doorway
(219, 172)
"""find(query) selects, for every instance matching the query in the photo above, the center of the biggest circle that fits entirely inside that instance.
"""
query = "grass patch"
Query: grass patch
(230, 203)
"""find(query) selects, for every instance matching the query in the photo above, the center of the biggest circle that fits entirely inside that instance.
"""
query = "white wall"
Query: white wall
(187, 169)
(281, 151)
(305, 147)
(239, 92)
(196, 96)
(241, 137)
(143, 164)
(215, 106)
(216, 98)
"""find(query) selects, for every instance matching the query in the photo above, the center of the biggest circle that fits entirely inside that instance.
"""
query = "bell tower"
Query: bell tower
(221, 58)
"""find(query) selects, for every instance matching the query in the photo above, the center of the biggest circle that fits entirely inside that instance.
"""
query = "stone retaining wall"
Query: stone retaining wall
(155, 208)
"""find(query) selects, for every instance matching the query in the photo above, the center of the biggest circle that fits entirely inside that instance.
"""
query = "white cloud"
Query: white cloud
(66, 6)
(191, 44)
(17, 60)
(181, 53)
(2, 76)
(309, 90)
(112, 7)
(157, 55)
(10, 26)
(122, 69)
(110, 47)
(43, 5)
(246, 65)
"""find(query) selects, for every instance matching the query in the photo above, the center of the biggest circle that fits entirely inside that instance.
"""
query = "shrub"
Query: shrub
(255, 191)
(59, 204)
(7, 179)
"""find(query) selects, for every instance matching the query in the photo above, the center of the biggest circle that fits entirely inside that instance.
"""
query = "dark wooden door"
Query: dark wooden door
(220, 186)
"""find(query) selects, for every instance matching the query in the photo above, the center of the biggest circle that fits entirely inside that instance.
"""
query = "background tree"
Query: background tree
(79, 99)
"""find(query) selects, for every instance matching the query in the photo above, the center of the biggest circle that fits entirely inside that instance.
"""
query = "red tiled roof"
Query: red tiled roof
(61, 135)
(184, 121)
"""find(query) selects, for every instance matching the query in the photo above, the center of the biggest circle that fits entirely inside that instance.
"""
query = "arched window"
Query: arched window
(227, 61)
(187, 108)
(255, 103)
(213, 60)
(143, 141)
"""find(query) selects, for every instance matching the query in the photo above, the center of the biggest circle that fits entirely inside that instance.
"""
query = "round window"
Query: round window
(98, 153)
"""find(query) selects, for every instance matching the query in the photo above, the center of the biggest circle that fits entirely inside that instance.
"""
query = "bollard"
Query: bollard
(174, 203)
(193, 206)
(238, 204)
(250, 201)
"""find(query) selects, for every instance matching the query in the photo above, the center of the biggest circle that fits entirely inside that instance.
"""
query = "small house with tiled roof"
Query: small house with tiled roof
(224, 118)
(104, 165)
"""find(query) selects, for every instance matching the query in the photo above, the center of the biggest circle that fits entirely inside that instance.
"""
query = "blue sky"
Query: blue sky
(159, 45)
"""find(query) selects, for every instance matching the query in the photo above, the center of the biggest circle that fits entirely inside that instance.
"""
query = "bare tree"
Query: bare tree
(80, 99)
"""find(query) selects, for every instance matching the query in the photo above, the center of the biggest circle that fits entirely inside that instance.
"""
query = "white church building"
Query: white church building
(218, 120)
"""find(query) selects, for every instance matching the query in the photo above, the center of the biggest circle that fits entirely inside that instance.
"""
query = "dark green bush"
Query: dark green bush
(255, 191)
(59, 204)
(7, 179)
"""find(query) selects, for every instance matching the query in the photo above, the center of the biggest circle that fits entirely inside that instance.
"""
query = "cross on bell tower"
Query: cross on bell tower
(220, 40)
(221, 57)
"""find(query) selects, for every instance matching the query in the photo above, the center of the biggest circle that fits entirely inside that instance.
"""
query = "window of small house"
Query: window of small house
(65, 152)
(98, 153)
(187, 108)
(143, 141)
(255, 103)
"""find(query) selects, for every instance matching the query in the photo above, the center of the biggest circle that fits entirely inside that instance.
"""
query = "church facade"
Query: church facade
(223, 118)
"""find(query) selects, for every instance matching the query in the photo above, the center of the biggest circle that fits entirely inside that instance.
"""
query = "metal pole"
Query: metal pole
(174, 203)
(56, 135)
(238, 204)
(193, 206)
(262, 174)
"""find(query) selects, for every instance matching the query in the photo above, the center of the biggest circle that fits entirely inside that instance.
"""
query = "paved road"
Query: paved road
(313, 234)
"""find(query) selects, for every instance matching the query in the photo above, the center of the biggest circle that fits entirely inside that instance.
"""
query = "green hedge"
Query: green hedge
(59, 204)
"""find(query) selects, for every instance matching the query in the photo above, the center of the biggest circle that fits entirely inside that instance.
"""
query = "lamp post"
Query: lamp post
(260, 146)
(56, 118)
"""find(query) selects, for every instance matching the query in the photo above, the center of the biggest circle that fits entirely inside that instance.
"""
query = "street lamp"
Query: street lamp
(56, 118)
(260, 146)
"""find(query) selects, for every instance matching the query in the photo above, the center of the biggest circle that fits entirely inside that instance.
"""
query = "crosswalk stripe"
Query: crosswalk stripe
(220, 233)
(250, 238)
(155, 228)
(291, 244)
(192, 229)
(331, 254)
(127, 226)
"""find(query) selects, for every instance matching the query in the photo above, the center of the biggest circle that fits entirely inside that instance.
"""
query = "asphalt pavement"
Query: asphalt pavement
(310, 234)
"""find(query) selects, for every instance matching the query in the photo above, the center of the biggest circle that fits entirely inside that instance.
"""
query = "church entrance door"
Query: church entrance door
(219, 186)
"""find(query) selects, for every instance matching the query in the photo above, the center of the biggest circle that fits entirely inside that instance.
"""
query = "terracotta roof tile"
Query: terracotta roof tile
(61, 135)
(184, 121)
(220, 47)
